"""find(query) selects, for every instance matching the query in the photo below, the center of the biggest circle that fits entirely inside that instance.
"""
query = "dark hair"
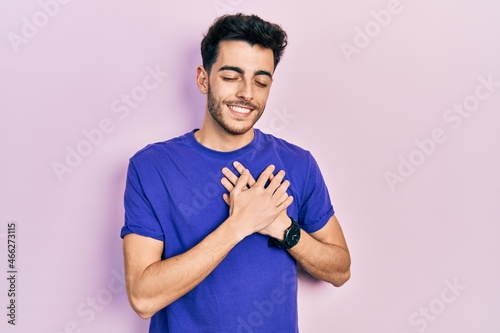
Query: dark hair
(249, 28)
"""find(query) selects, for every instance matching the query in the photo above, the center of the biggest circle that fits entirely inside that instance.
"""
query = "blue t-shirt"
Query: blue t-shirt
(173, 194)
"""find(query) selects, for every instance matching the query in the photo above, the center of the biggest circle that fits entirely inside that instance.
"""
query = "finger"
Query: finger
(230, 175)
(227, 184)
(241, 183)
(265, 175)
(276, 181)
(239, 167)
(281, 199)
(284, 205)
(225, 196)
(281, 189)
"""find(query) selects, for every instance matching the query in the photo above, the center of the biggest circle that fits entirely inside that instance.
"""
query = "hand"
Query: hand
(277, 187)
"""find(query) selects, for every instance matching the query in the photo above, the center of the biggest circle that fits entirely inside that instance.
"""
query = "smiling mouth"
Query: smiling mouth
(240, 109)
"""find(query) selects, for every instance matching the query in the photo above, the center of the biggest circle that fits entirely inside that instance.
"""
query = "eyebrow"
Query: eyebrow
(241, 71)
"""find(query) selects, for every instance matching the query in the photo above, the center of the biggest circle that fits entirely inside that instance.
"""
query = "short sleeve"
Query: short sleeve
(316, 208)
(140, 217)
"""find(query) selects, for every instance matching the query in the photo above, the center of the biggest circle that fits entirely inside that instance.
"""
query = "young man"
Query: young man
(216, 219)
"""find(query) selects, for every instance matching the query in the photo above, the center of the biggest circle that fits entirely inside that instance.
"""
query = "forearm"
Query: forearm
(327, 262)
(163, 282)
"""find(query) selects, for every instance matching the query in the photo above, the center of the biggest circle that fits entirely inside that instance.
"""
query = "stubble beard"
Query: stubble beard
(215, 110)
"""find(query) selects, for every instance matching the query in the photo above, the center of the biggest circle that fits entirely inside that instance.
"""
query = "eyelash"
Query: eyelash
(260, 84)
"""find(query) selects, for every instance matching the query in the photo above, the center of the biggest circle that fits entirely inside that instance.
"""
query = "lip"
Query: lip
(240, 110)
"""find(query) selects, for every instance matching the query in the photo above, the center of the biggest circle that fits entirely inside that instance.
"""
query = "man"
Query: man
(216, 219)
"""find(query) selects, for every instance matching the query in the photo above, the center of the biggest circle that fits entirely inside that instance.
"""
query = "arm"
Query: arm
(324, 253)
(152, 283)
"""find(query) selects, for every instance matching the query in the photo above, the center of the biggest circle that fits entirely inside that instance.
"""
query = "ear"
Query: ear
(202, 79)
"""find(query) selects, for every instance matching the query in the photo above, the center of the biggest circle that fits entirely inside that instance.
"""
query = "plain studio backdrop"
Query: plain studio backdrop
(398, 100)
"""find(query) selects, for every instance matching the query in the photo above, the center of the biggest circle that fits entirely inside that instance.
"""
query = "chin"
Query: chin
(237, 131)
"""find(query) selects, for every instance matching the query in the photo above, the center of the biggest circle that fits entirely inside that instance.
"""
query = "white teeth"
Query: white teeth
(239, 109)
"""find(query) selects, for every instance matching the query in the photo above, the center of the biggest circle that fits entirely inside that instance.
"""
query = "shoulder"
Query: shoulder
(282, 145)
(296, 159)
(161, 149)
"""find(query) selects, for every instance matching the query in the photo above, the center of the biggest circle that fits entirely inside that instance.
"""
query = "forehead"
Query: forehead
(250, 58)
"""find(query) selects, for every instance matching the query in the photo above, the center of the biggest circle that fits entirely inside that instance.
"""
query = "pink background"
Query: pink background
(362, 85)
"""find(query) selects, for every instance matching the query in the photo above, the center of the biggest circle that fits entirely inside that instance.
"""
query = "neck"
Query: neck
(216, 138)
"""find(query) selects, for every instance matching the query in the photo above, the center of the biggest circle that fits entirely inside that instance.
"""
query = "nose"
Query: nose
(245, 90)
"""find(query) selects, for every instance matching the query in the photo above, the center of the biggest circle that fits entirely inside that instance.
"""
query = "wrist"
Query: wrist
(289, 238)
(235, 230)
(277, 229)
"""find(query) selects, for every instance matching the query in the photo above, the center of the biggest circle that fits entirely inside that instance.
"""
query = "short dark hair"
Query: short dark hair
(248, 28)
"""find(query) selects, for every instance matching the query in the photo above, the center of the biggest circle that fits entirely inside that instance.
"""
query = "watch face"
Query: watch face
(295, 238)
(293, 235)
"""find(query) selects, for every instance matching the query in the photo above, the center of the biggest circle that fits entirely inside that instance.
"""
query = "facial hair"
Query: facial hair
(215, 110)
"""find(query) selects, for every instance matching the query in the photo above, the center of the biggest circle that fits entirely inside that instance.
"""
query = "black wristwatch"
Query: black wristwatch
(290, 238)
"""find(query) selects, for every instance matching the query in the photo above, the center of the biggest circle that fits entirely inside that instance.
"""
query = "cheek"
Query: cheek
(262, 96)
(221, 93)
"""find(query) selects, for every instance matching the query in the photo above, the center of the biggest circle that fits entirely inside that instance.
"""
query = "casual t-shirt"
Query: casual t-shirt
(173, 194)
